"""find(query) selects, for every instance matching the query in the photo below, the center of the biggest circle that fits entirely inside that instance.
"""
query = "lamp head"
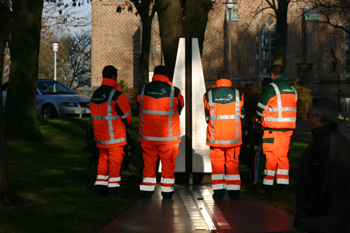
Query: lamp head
(230, 4)
(55, 47)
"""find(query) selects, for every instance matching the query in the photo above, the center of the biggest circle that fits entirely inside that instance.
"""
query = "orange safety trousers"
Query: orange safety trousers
(276, 147)
(167, 154)
(109, 164)
(222, 157)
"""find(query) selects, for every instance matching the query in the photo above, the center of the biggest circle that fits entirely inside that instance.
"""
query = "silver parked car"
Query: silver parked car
(55, 99)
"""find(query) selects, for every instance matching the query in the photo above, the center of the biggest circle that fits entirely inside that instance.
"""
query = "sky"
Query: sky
(83, 10)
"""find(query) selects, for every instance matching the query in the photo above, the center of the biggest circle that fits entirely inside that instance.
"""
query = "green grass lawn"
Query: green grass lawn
(284, 201)
(53, 191)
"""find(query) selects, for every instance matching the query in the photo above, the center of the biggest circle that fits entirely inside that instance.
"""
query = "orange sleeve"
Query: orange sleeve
(206, 108)
(124, 105)
(181, 101)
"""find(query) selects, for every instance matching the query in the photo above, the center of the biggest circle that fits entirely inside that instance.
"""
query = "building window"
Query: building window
(347, 51)
(310, 14)
(267, 45)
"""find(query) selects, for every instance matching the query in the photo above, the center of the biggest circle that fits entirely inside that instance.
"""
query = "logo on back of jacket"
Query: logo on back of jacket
(229, 97)
(102, 98)
(289, 90)
(162, 92)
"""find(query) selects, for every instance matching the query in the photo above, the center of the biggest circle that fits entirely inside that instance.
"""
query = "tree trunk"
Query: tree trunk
(5, 19)
(144, 8)
(20, 112)
(196, 18)
(177, 20)
(145, 51)
(281, 33)
(170, 28)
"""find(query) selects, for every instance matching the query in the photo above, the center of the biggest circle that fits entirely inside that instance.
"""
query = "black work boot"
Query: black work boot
(100, 190)
(219, 194)
(266, 189)
(115, 193)
(282, 188)
(234, 194)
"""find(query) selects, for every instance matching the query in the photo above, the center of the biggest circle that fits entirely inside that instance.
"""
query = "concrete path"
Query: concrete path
(193, 210)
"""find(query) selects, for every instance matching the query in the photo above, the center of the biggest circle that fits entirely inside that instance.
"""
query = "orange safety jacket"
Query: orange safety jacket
(160, 105)
(110, 114)
(277, 106)
(224, 108)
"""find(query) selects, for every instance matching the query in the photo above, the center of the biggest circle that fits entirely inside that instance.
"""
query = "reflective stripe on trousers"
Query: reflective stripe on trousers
(225, 159)
(148, 184)
(167, 154)
(276, 148)
(109, 164)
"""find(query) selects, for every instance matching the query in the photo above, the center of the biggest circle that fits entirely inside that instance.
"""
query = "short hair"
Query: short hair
(326, 108)
(223, 75)
(161, 70)
(109, 71)
(277, 70)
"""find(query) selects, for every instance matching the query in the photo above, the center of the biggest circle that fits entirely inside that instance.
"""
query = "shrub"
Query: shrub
(251, 99)
(251, 139)
(131, 93)
(304, 100)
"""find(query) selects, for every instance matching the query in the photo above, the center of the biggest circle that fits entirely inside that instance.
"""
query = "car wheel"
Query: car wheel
(48, 112)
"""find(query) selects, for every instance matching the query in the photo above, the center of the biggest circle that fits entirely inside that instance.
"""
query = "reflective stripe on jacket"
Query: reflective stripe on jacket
(110, 114)
(224, 108)
(277, 106)
(160, 105)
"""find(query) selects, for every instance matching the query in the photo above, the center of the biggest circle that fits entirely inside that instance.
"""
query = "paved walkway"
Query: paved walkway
(193, 210)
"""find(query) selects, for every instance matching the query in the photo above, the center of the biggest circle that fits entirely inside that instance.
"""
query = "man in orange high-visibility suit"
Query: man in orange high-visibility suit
(224, 108)
(111, 115)
(160, 104)
(277, 108)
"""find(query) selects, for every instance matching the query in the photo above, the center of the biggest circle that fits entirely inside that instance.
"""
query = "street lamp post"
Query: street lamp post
(229, 5)
(55, 49)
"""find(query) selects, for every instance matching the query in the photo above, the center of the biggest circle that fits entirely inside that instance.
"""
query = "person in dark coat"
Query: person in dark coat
(323, 182)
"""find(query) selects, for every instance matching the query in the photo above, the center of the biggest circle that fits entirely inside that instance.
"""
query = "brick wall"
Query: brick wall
(116, 41)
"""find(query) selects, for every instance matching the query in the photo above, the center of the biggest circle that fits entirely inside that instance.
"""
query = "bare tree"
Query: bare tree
(147, 11)
(5, 18)
(61, 17)
(181, 18)
(333, 12)
(56, 17)
(79, 59)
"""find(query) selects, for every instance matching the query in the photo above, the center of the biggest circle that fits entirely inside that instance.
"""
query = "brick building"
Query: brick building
(116, 37)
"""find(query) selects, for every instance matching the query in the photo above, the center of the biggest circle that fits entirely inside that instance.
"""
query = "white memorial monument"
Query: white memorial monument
(200, 151)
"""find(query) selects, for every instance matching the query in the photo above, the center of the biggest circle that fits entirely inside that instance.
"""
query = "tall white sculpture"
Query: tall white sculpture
(200, 152)
(180, 82)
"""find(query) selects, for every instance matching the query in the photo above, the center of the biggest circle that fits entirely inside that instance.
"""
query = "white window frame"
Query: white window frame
(270, 26)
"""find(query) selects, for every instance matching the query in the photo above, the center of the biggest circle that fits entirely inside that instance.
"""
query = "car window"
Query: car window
(50, 87)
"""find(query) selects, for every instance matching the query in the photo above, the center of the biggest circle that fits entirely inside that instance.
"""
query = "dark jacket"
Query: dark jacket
(323, 183)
